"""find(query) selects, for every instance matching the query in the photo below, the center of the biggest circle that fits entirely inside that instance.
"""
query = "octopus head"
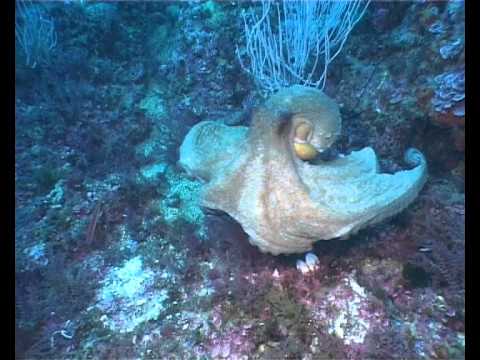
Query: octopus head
(312, 135)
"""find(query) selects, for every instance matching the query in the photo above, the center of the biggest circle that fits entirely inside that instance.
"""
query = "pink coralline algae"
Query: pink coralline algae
(348, 311)
(233, 344)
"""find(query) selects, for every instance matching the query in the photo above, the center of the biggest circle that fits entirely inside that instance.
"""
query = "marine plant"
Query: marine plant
(289, 42)
(35, 33)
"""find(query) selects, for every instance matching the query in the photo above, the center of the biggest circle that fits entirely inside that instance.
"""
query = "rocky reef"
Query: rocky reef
(116, 258)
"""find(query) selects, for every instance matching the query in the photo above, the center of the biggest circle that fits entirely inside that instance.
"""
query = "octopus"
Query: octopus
(271, 179)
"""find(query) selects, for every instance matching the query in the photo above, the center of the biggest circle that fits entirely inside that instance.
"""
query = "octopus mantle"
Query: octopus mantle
(261, 175)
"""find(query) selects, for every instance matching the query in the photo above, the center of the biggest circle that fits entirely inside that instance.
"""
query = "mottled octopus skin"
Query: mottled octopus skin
(286, 204)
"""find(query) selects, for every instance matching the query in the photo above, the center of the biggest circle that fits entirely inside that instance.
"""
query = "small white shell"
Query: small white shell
(302, 267)
(311, 261)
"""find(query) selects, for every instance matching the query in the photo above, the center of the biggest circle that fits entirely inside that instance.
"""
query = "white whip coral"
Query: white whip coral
(295, 42)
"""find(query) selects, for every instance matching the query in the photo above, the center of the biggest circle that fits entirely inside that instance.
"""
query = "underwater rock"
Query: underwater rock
(259, 175)
(349, 312)
(128, 298)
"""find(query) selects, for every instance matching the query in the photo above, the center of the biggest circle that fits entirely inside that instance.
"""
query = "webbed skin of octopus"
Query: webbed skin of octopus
(259, 175)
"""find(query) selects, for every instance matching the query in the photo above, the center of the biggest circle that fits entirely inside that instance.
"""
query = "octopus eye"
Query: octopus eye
(303, 131)
(301, 146)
